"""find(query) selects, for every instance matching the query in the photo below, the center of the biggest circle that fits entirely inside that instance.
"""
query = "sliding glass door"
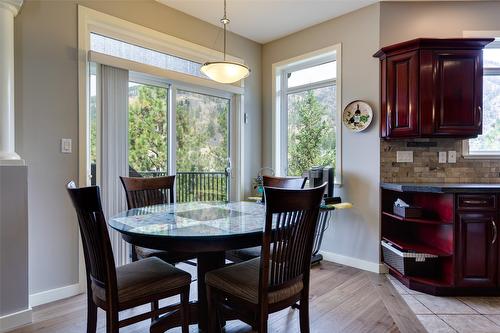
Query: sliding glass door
(202, 154)
(180, 131)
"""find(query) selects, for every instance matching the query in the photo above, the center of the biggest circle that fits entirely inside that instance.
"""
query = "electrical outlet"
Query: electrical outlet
(452, 156)
(442, 157)
(66, 146)
(404, 156)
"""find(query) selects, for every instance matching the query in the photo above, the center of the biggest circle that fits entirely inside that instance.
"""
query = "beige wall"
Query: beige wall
(400, 21)
(47, 110)
(354, 233)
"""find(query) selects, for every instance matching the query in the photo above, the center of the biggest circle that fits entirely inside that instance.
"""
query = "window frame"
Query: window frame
(280, 104)
(173, 86)
(487, 71)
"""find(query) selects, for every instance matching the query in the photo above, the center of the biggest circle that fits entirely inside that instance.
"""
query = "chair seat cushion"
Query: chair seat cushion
(242, 280)
(168, 256)
(145, 278)
(240, 255)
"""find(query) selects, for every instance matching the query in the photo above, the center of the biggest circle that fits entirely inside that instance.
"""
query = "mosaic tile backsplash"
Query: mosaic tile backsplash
(426, 167)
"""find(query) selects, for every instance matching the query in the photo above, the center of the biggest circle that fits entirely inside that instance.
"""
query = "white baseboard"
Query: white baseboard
(354, 262)
(13, 320)
(53, 295)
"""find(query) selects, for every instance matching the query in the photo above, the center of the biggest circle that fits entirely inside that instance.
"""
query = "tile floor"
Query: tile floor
(452, 314)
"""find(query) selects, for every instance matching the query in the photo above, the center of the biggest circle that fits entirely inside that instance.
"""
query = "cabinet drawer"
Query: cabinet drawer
(476, 202)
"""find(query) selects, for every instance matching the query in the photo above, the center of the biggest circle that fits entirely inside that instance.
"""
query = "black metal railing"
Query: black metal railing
(196, 186)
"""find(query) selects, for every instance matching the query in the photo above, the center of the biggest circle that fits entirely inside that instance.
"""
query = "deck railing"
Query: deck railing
(197, 186)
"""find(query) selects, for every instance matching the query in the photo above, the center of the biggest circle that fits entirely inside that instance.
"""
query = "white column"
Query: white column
(8, 10)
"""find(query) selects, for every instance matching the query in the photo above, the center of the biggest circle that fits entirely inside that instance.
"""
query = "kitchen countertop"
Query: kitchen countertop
(441, 188)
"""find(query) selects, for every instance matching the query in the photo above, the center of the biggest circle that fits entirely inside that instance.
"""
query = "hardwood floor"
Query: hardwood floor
(343, 299)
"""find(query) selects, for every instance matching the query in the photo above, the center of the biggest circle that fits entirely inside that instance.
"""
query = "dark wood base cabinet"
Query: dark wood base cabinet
(459, 224)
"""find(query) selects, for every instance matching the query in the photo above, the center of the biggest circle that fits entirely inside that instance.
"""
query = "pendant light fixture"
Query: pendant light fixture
(225, 71)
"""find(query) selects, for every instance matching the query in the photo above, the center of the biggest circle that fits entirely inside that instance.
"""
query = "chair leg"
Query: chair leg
(185, 310)
(91, 314)
(304, 313)
(134, 254)
(212, 311)
(112, 322)
(154, 307)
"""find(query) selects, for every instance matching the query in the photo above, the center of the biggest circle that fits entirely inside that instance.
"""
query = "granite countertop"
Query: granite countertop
(441, 188)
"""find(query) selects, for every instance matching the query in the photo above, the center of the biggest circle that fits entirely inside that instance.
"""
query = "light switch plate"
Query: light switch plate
(452, 156)
(404, 156)
(442, 157)
(66, 146)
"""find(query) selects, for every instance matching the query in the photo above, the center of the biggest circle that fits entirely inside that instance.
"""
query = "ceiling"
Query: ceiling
(267, 20)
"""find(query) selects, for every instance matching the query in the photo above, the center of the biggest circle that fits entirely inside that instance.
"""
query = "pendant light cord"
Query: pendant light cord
(225, 21)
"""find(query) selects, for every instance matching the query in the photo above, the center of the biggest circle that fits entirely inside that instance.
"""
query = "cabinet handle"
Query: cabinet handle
(475, 202)
(479, 111)
(494, 231)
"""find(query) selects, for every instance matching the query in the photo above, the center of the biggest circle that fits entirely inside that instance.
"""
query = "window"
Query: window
(120, 49)
(306, 130)
(487, 145)
(197, 150)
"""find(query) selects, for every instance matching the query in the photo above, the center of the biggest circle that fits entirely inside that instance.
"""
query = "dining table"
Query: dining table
(206, 229)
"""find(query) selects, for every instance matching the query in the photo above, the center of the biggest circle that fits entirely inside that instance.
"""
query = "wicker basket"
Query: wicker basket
(409, 263)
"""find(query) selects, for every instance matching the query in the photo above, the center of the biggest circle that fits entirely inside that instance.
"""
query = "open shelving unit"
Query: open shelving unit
(432, 233)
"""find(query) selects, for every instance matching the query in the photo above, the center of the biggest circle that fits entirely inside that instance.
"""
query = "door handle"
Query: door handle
(495, 233)
(476, 202)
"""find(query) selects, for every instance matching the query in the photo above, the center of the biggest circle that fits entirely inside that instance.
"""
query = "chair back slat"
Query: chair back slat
(293, 183)
(97, 249)
(287, 247)
(142, 192)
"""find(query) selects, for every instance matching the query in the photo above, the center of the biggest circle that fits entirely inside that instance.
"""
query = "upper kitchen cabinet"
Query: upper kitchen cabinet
(432, 88)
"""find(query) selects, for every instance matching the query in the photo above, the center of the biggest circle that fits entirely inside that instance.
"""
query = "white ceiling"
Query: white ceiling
(267, 20)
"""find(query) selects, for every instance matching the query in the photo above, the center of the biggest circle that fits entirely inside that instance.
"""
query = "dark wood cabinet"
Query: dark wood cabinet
(432, 88)
(477, 250)
(459, 224)
(402, 97)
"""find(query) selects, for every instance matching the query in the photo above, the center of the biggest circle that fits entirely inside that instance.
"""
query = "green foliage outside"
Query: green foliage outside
(489, 141)
(148, 128)
(202, 132)
(311, 135)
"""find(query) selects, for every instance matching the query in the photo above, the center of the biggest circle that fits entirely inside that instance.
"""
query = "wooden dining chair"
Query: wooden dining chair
(294, 183)
(143, 192)
(253, 289)
(116, 289)
(284, 182)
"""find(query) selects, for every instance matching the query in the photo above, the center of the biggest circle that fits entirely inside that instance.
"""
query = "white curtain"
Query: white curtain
(114, 152)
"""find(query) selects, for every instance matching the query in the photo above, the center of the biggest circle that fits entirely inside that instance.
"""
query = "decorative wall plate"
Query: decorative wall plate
(357, 116)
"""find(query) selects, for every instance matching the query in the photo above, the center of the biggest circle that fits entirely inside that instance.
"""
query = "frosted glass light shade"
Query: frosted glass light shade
(225, 71)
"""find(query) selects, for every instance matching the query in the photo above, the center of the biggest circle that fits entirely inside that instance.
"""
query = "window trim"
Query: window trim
(486, 71)
(279, 102)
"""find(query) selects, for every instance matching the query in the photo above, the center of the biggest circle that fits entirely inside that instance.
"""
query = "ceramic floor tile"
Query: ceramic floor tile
(494, 318)
(417, 307)
(483, 305)
(400, 288)
(471, 323)
(434, 324)
(444, 305)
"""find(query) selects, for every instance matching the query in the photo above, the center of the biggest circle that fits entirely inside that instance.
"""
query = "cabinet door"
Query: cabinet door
(402, 95)
(457, 93)
(476, 250)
